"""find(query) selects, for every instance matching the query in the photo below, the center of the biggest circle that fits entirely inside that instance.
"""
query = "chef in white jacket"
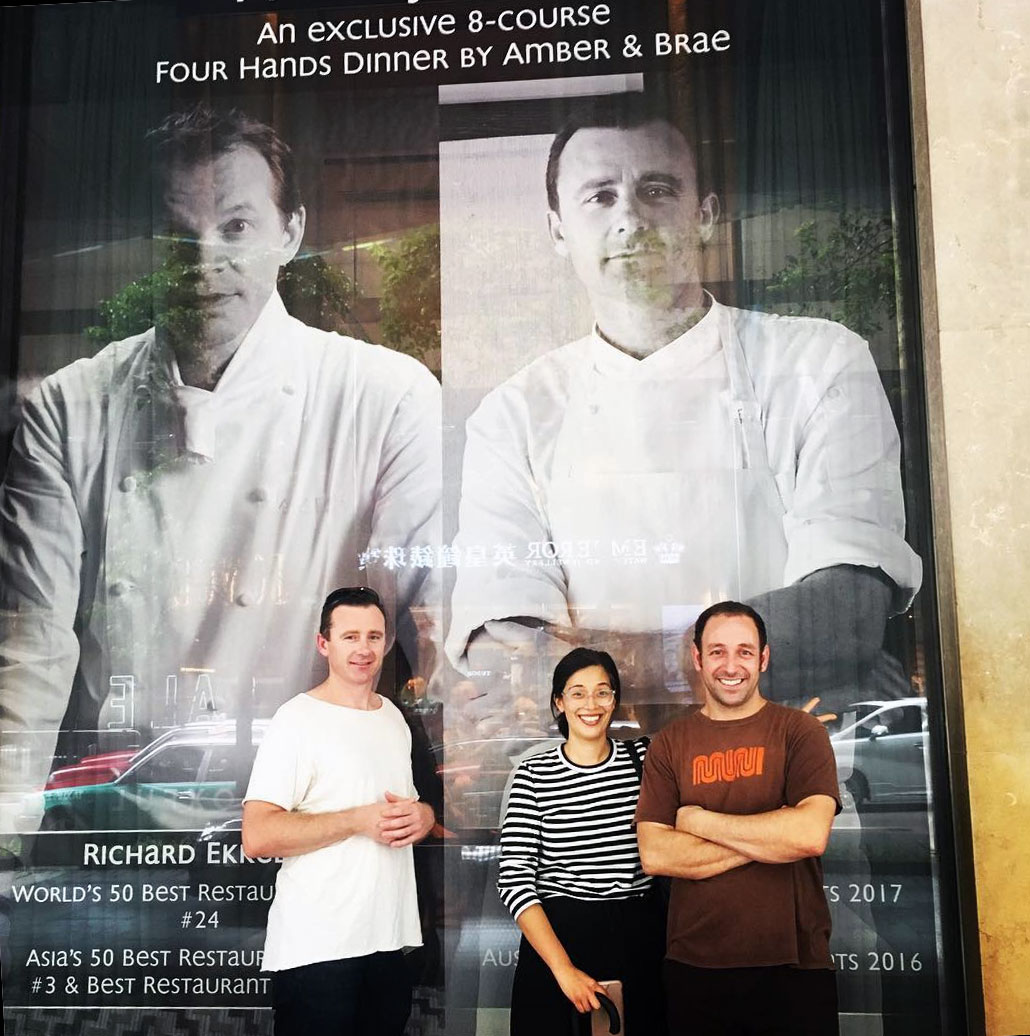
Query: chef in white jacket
(682, 453)
(175, 507)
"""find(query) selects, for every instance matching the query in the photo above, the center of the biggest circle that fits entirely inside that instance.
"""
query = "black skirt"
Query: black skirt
(608, 939)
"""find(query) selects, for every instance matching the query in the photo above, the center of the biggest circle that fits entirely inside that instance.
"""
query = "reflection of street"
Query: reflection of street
(880, 887)
(888, 836)
(124, 937)
(186, 779)
(475, 775)
(878, 883)
(192, 935)
(877, 872)
(881, 752)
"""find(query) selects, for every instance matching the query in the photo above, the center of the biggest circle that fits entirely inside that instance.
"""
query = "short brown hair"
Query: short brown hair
(348, 596)
(201, 133)
(730, 608)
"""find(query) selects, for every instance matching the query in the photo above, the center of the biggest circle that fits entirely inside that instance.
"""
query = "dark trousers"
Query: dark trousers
(608, 939)
(356, 996)
(774, 1001)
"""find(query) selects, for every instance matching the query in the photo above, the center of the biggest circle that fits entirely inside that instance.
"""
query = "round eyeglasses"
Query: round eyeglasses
(603, 695)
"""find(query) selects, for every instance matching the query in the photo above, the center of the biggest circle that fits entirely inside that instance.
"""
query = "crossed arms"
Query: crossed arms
(705, 843)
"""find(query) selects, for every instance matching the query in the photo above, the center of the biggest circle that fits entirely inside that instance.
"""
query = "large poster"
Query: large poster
(302, 297)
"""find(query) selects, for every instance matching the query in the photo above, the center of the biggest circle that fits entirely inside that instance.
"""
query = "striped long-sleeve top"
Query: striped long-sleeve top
(568, 830)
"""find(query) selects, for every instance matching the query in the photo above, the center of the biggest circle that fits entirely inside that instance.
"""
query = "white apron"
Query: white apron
(661, 464)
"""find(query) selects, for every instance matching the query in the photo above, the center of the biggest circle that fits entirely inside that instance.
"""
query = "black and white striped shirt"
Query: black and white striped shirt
(568, 830)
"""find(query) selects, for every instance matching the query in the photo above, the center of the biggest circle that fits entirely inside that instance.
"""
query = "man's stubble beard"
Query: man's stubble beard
(680, 291)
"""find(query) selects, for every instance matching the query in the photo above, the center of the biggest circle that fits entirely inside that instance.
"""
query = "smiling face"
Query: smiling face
(588, 703)
(730, 662)
(355, 645)
(226, 239)
(629, 217)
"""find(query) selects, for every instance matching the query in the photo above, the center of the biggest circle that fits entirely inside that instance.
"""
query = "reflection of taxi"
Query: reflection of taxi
(91, 769)
(880, 749)
(188, 778)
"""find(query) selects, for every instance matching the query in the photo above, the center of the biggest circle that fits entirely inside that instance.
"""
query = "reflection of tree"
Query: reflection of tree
(312, 289)
(410, 303)
(844, 271)
(161, 299)
(318, 293)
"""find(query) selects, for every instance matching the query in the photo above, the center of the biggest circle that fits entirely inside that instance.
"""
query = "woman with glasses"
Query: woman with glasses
(570, 872)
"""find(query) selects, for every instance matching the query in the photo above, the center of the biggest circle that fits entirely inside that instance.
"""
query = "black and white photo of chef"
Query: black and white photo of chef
(678, 451)
(175, 506)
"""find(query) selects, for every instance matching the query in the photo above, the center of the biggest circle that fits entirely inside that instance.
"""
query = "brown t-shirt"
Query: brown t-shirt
(760, 913)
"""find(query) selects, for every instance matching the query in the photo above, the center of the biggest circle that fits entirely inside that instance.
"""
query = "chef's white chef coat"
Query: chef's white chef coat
(599, 489)
(165, 550)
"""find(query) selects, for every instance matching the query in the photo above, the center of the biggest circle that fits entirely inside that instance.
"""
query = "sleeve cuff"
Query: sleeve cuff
(522, 906)
(497, 600)
(823, 544)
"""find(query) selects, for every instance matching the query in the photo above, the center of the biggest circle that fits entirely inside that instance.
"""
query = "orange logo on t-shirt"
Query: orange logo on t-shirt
(729, 765)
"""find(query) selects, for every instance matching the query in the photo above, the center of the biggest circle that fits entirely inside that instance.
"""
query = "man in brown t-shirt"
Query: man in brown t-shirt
(736, 804)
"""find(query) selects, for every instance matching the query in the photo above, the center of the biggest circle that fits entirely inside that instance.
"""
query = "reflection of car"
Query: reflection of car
(186, 779)
(91, 769)
(880, 749)
(475, 774)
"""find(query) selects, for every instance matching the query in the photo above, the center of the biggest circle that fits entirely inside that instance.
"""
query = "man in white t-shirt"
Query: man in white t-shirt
(332, 792)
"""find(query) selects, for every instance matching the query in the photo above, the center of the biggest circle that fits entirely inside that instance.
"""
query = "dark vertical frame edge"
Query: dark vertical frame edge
(903, 54)
(15, 53)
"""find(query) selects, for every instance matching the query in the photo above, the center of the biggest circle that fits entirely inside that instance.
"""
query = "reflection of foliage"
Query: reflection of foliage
(318, 293)
(843, 273)
(410, 304)
(313, 290)
(160, 298)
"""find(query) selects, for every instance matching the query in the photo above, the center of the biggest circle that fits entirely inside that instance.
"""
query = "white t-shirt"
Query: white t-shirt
(355, 897)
